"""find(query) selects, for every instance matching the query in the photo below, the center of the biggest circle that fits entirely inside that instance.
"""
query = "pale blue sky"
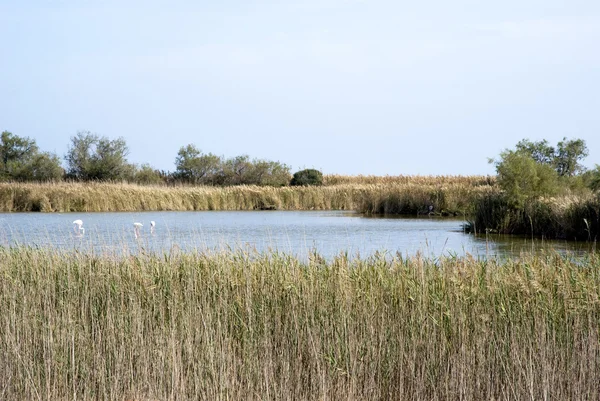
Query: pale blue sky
(345, 86)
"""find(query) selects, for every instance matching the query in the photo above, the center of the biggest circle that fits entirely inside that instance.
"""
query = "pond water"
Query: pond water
(328, 233)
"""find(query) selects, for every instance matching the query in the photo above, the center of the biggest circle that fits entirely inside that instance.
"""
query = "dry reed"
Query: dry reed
(384, 197)
(268, 326)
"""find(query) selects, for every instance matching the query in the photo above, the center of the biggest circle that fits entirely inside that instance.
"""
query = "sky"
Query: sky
(370, 87)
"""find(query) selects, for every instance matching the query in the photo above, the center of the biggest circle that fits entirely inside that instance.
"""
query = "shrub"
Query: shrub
(307, 177)
(523, 179)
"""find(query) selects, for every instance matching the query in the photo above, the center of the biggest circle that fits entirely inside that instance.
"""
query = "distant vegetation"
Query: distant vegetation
(23, 161)
(544, 191)
(540, 189)
(94, 158)
(246, 326)
(307, 177)
(451, 196)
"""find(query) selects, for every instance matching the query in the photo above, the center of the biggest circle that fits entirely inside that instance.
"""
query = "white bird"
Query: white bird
(77, 227)
(136, 229)
(152, 225)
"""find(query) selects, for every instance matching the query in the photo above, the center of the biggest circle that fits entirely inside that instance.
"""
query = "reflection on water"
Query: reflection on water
(512, 245)
(299, 233)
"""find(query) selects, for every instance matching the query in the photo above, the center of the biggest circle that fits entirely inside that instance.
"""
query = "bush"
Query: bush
(307, 177)
(523, 179)
(146, 175)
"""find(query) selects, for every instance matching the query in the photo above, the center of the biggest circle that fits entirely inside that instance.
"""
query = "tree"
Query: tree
(91, 157)
(264, 172)
(539, 151)
(592, 178)
(147, 175)
(568, 155)
(22, 160)
(237, 171)
(79, 155)
(13, 151)
(42, 166)
(307, 177)
(522, 178)
(195, 167)
(564, 158)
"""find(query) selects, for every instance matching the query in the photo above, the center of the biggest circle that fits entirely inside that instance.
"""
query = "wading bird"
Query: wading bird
(77, 227)
(136, 229)
(152, 225)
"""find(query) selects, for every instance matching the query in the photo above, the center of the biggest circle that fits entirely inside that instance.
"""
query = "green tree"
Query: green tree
(307, 177)
(568, 155)
(539, 151)
(23, 161)
(564, 158)
(592, 178)
(264, 172)
(13, 151)
(522, 178)
(195, 167)
(237, 171)
(147, 175)
(79, 155)
(91, 157)
(43, 166)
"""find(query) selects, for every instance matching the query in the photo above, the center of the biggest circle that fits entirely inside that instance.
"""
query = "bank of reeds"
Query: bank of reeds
(404, 198)
(415, 199)
(427, 180)
(268, 326)
(566, 217)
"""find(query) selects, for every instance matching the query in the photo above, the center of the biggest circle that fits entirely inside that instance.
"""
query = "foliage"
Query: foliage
(22, 160)
(43, 166)
(270, 173)
(568, 155)
(146, 175)
(307, 177)
(592, 178)
(195, 167)
(564, 158)
(241, 170)
(523, 179)
(91, 157)
(564, 217)
(539, 151)
(237, 170)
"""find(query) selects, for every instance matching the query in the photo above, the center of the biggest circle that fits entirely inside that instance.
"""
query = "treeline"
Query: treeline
(94, 158)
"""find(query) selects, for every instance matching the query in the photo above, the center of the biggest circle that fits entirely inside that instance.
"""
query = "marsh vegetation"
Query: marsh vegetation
(243, 325)
(367, 194)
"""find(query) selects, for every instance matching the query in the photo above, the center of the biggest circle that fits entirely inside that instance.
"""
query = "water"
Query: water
(300, 233)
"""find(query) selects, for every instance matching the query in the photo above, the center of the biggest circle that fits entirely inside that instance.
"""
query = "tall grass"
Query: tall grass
(566, 217)
(470, 180)
(97, 197)
(268, 326)
(417, 199)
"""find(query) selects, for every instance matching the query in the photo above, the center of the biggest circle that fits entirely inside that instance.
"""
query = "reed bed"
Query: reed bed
(565, 217)
(428, 180)
(242, 325)
(407, 198)
(415, 199)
